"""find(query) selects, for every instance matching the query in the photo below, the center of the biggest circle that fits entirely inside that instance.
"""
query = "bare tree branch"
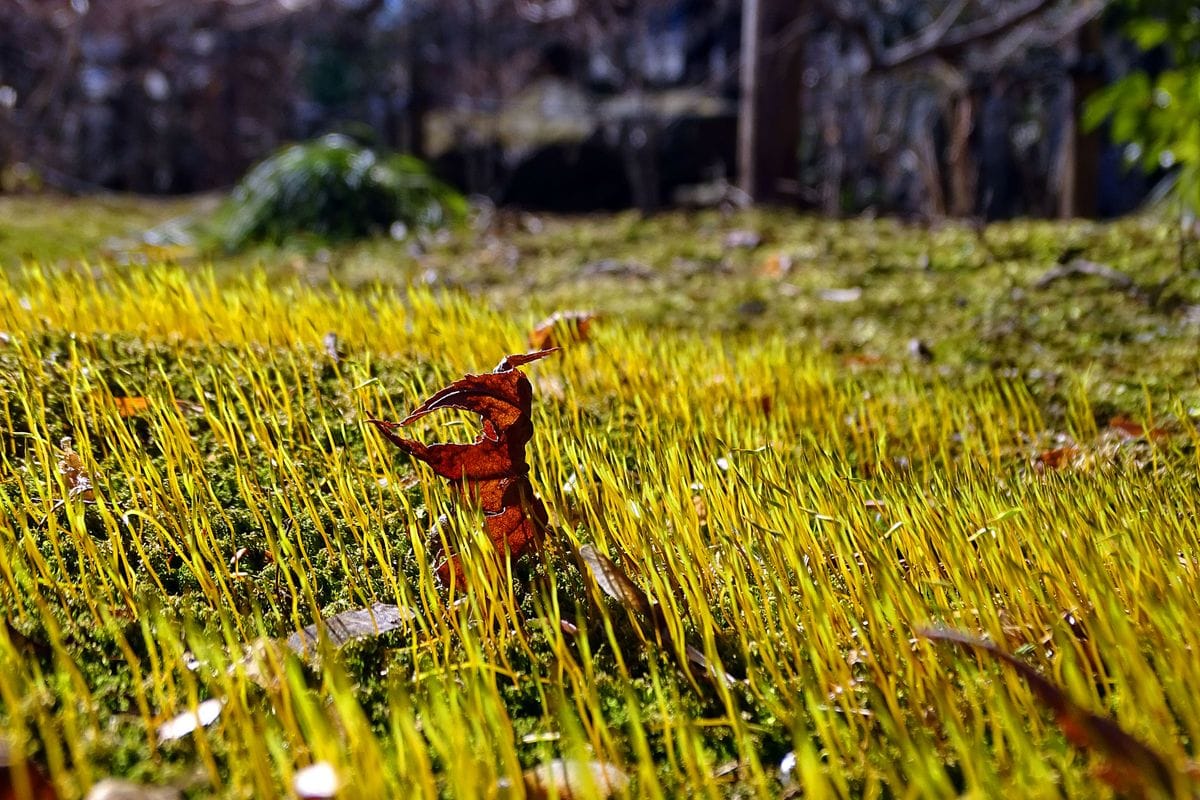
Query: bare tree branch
(1035, 36)
(940, 40)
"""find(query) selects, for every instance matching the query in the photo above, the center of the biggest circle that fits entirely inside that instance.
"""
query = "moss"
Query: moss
(938, 443)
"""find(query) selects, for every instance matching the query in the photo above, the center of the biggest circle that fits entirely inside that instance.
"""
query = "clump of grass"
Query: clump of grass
(794, 518)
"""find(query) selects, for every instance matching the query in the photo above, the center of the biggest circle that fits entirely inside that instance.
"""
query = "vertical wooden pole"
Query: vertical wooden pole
(769, 108)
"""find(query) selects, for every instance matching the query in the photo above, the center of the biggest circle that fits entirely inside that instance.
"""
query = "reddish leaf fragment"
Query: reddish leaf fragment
(1132, 767)
(775, 265)
(490, 472)
(1135, 430)
(862, 360)
(131, 406)
(1056, 458)
(561, 328)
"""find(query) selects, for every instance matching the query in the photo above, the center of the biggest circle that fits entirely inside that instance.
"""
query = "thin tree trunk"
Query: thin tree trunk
(963, 176)
(769, 112)
(1080, 196)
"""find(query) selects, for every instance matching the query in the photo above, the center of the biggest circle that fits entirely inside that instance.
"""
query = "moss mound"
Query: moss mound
(334, 189)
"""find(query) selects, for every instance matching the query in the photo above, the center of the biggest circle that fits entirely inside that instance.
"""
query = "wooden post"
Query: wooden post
(769, 108)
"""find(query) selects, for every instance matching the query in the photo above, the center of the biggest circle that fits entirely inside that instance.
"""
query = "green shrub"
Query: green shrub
(334, 189)
(1159, 117)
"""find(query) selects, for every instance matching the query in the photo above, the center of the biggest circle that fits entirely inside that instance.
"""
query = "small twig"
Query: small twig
(53, 510)
(1081, 266)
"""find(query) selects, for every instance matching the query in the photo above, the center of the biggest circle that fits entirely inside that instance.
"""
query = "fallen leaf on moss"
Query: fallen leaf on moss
(775, 265)
(1057, 458)
(490, 472)
(1131, 767)
(1134, 429)
(862, 360)
(617, 585)
(130, 406)
(561, 328)
(350, 625)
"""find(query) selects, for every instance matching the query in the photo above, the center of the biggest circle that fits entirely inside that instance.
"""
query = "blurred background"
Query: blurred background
(917, 108)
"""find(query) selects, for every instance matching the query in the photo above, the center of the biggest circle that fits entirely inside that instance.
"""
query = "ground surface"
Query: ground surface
(805, 440)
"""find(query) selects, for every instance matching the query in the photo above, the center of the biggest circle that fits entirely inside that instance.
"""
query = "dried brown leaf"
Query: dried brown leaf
(1135, 430)
(130, 406)
(1132, 767)
(615, 583)
(1057, 458)
(490, 472)
(561, 328)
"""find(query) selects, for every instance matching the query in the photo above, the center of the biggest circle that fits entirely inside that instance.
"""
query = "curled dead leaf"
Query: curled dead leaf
(490, 472)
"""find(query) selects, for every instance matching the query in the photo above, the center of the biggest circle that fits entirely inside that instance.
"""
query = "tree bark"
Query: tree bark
(1079, 195)
(963, 173)
(769, 108)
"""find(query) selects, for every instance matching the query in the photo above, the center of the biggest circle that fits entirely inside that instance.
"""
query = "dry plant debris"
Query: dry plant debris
(490, 472)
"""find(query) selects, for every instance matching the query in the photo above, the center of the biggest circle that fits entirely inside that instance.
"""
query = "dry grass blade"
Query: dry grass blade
(1132, 767)
(613, 581)
(616, 584)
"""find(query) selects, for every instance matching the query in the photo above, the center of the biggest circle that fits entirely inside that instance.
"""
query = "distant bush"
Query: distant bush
(1158, 116)
(334, 189)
